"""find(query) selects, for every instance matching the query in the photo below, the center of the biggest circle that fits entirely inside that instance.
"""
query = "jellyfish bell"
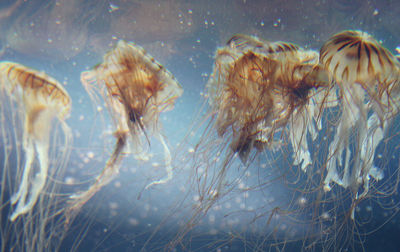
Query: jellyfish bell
(276, 49)
(136, 90)
(367, 77)
(39, 99)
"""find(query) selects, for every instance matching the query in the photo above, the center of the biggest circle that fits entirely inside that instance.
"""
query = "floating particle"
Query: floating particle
(112, 8)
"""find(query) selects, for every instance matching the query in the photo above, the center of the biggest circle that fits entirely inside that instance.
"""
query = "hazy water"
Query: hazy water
(64, 38)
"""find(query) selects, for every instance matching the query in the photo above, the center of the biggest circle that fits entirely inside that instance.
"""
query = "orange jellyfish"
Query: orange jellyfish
(136, 89)
(35, 100)
(367, 77)
(260, 94)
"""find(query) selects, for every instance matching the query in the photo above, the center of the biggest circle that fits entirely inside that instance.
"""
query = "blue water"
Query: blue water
(64, 38)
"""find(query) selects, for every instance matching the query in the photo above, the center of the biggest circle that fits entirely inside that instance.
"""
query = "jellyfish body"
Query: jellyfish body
(261, 94)
(39, 99)
(136, 90)
(367, 77)
(258, 89)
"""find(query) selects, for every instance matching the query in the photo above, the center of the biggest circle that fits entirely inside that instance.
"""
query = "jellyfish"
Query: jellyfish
(261, 96)
(298, 93)
(259, 90)
(36, 100)
(367, 78)
(136, 89)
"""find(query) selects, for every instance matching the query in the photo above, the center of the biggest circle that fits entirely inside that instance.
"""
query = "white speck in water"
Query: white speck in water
(113, 205)
(277, 22)
(69, 180)
(133, 221)
(90, 154)
(325, 216)
(112, 8)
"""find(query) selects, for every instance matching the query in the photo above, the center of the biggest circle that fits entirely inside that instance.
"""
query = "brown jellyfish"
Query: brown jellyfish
(261, 94)
(136, 90)
(367, 77)
(35, 100)
(258, 89)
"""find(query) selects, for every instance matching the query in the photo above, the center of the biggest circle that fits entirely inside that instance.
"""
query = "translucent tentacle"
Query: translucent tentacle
(40, 178)
(20, 196)
(168, 165)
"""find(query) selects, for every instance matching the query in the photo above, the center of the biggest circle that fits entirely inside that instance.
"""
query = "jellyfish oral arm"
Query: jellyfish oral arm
(106, 176)
(376, 134)
(348, 120)
(168, 167)
(299, 126)
(370, 132)
(20, 196)
(37, 133)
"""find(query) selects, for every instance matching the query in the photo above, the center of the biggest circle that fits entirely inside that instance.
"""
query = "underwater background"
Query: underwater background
(66, 37)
